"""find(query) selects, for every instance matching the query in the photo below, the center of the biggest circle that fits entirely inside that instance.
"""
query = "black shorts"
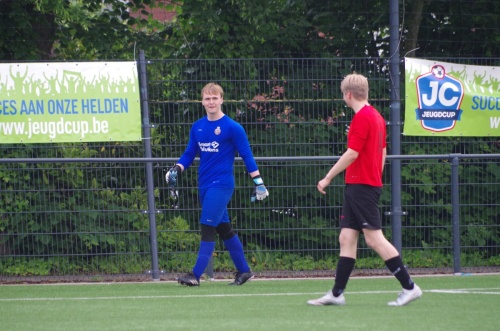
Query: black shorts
(360, 210)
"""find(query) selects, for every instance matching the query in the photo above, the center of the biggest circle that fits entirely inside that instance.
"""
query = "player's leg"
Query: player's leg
(348, 246)
(376, 240)
(348, 239)
(235, 249)
(213, 204)
(207, 246)
(368, 212)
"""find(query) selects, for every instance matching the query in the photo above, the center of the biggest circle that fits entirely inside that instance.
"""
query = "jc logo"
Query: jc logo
(439, 99)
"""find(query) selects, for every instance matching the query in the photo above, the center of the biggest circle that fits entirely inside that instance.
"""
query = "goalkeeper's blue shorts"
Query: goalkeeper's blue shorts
(214, 203)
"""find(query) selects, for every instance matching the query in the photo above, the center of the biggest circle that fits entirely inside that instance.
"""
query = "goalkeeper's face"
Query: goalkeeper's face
(212, 104)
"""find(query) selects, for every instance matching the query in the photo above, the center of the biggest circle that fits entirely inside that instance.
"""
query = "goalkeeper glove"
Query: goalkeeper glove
(172, 174)
(259, 191)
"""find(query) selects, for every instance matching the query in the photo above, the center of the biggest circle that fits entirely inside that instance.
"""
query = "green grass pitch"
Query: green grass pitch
(448, 303)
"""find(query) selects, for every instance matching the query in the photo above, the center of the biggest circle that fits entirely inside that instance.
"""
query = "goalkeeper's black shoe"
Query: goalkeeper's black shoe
(189, 280)
(241, 278)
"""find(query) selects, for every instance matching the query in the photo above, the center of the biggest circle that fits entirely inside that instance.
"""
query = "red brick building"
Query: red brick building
(159, 14)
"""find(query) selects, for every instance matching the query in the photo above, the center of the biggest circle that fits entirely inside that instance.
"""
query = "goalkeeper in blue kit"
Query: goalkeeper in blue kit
(216, 138)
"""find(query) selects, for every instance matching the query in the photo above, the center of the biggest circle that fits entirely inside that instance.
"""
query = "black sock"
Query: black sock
(344, 269)
(396, 267)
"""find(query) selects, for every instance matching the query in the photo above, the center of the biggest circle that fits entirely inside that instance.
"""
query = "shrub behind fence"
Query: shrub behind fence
(62, 218)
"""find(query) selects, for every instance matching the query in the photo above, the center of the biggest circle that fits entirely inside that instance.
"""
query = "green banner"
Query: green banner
(448, 99)
(69, 102)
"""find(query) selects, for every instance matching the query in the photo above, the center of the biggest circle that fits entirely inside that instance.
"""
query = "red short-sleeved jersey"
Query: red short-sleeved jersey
(367, 136)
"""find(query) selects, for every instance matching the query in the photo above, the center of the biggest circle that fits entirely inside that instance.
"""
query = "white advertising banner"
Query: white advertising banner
(69, 102)
(449, 99)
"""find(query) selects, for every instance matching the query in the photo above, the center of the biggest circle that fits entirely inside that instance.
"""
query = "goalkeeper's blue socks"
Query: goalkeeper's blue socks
(235, 249)
(204, 255)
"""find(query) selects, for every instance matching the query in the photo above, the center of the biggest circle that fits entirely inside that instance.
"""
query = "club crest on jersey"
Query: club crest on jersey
(217, 130)
(439, 99)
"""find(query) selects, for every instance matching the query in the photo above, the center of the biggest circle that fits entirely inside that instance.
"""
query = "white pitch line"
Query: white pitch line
(463, 292)
(162, 297)
(190, 296)
(477, 289)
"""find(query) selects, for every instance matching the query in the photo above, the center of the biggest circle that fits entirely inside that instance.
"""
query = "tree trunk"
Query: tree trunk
(414, 16)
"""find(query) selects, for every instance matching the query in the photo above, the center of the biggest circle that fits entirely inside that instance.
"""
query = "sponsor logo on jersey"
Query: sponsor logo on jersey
(211, 147)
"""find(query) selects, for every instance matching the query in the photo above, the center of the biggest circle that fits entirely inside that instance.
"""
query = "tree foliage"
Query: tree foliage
(106, 29)
(464, 28)
(308, 28)
(77, 29)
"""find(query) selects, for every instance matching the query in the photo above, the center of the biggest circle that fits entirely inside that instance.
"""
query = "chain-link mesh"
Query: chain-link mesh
(69, 219)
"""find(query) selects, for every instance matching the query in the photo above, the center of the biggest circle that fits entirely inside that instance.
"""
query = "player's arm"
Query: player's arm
(190, 152)
(254, 173)
(260, 191)
(345, 160)
(186, 159)
(240, 141)
(173, 174)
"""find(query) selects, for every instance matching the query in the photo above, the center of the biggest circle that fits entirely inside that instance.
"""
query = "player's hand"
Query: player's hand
(259, 191)
(322, 185)
(172, 174)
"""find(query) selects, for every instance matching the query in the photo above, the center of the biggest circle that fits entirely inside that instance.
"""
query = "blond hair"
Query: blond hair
(212, 89)
(356, 84)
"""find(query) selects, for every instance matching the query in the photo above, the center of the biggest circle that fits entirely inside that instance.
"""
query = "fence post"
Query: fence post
(395, 122)
(149, 165)
(455, 214)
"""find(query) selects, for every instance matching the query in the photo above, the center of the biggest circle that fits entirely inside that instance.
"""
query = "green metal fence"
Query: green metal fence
(85, 211)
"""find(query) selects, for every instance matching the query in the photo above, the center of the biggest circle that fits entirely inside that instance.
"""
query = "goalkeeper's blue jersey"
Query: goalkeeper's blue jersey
(216, 143)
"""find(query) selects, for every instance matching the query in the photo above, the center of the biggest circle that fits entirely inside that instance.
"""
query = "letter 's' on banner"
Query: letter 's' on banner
(448, 99)
(69, 102)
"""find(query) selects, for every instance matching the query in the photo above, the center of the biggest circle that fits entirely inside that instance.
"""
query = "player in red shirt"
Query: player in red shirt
(363, 162)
